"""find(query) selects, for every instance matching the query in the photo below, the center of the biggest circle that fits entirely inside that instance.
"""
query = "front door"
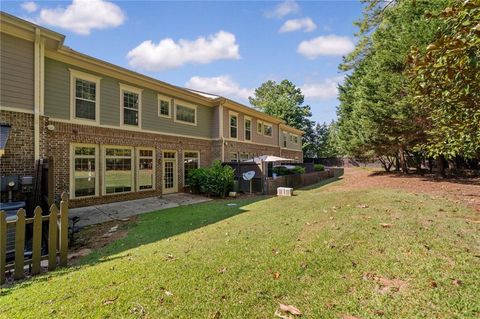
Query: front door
(170, 175)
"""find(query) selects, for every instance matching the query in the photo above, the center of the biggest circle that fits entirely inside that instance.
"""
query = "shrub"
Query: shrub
(216, 180)
(318, 167)
(282, 170)
(298, 170)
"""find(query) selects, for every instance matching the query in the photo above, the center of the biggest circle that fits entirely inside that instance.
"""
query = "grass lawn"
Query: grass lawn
(376, 253)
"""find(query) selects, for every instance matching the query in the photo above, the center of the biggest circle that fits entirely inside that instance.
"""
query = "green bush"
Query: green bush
(216, 180)
(318, 167)
(282, 170)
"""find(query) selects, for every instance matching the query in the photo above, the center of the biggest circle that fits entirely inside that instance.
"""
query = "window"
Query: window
(191, 161)
(294, 139)
(186, 114)
(248, 129)
(233, 126)
(284, 139)
(146, 169)
(267, 129)
(259, 127)
(131, 104)
(233, 157)
(85, 89)
(118, 173)
(84, 171)
(243, 156)
(163, 106)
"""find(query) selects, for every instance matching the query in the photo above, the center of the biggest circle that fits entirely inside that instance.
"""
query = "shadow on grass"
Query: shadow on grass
(430, 177)
(152, 227)
(322, 183)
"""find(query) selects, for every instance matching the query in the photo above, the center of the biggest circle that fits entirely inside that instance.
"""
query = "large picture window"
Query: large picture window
(146, 169)
(85, 90)
(186, 114)
(248, 129)
(233, 126)
(118, 173)
(191, 161)
(85, 173)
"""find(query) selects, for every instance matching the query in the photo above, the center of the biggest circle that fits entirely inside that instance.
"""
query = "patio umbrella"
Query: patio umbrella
(268, 158)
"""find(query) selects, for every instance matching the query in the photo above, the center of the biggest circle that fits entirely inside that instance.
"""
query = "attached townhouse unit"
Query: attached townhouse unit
(111, 133)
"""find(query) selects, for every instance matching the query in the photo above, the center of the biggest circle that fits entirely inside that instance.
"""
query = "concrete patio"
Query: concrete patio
(121, 210)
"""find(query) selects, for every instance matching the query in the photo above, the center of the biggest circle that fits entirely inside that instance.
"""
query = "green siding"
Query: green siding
(57, 89)
(57, 103)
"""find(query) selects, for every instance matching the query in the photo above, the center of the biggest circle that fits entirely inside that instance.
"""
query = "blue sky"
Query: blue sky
(227, 48)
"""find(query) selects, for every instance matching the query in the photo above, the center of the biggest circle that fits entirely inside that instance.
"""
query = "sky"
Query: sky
(227, 48)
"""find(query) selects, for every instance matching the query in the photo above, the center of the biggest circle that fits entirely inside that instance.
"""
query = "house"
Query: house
(111, 133)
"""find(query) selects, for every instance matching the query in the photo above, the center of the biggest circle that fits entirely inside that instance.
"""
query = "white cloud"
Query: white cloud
(222, 85)
(29, 6)
(326, 45)
(82, 16)
(283, 9)
(168, 54)
(322, 91)
(298, 24)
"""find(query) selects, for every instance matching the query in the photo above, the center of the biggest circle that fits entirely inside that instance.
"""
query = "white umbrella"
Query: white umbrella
(268, 158)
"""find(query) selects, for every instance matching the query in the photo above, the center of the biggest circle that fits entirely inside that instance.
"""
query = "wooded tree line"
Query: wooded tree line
(412, 92)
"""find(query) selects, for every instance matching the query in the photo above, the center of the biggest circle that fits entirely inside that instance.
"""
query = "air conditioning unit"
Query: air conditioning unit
(284, 191)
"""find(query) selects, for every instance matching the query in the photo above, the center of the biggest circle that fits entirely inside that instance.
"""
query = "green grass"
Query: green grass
(319, 242)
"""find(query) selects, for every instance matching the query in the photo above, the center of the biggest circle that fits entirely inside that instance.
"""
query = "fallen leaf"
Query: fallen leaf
(362, 206)
(290, 309)
(433, 284)
(349, 317)
(110, 301)
(282, 316)
(168, 293)
(276, 275)
(221, 271)
(457, 282)
(386, 225)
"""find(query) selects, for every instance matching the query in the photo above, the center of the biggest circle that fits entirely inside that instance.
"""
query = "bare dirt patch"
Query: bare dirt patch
(464, 190)
(97, 236)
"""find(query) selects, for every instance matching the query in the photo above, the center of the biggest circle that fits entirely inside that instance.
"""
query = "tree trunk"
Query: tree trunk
(403, 162)
(397, 164)
(441, 165)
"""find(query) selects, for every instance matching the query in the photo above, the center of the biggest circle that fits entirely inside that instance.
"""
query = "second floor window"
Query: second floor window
(163, 106)
(85, 99)
(131, 107)
(233, 125)
(248, 129)
(187, 114)
(267, 129)
(284, 139)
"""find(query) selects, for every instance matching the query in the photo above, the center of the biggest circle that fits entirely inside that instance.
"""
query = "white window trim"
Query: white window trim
(267, 124)
(294, 136)
(132, 89)
(183, 162)
(137, 169)
(256, 127)
(72, 170)
(185, 104)
(161, 97)
(245, 119)
(230, 156)
(230, 114)
(104, 170)
(74, 74)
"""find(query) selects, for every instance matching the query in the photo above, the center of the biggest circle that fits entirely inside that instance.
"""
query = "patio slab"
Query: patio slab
(97, 214)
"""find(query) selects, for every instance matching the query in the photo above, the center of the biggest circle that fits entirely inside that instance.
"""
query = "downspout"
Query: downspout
(220, 127)
(37, 73)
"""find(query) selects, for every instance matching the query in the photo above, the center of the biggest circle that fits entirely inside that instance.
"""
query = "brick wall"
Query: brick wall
(292, 154)
(239, 147)
(19, 157)
(57, 145)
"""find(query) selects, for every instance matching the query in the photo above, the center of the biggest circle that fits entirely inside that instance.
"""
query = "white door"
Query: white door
(170, 172)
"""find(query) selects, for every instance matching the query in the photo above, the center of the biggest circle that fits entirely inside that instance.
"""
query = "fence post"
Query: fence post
(3, 245)
(37, 241)
(20, 244)
(52, 238)
(64, 230)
